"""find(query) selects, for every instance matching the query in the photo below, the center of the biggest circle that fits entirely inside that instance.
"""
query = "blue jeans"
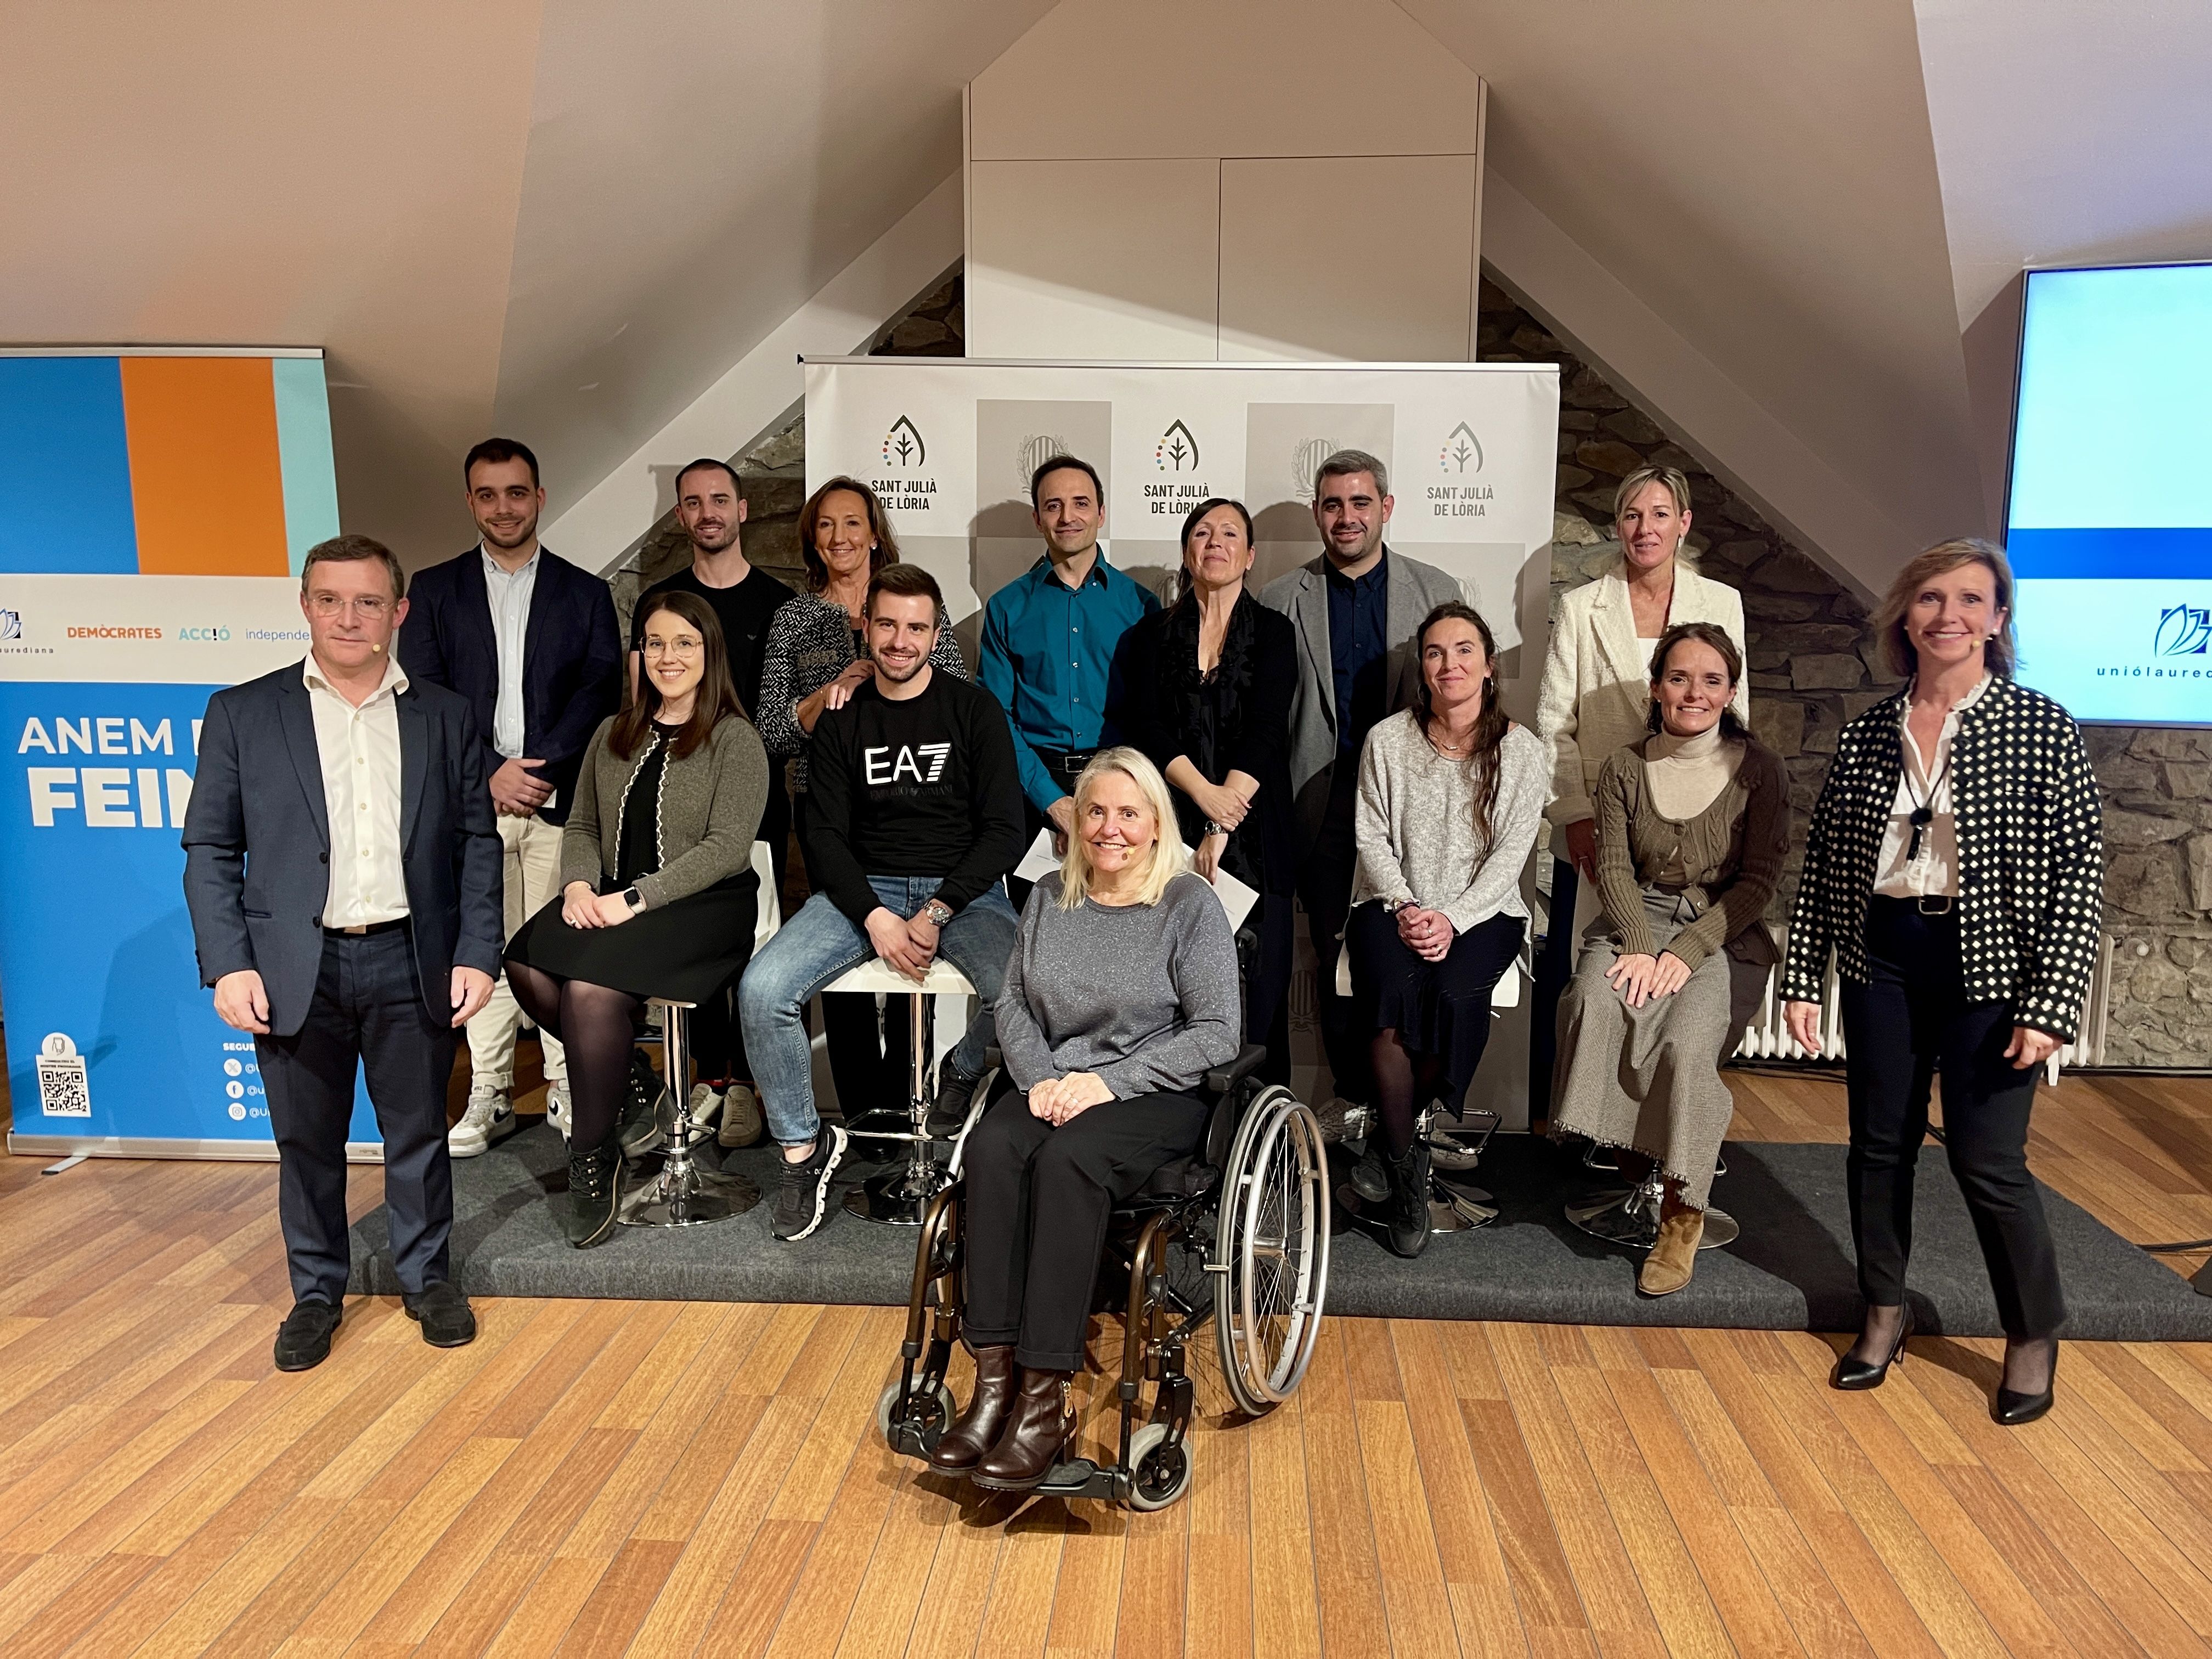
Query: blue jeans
(819, 943)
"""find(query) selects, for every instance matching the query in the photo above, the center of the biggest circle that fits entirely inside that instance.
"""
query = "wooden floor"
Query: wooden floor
(656, 1478)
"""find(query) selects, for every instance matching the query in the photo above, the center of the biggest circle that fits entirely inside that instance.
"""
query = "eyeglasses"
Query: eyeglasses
(683, 645)
(368, 606)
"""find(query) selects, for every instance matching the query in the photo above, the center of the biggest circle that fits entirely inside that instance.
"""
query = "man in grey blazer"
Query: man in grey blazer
(1356, 609)
(342, 874)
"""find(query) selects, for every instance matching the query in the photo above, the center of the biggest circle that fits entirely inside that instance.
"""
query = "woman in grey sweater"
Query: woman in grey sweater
(1122, 994)
(1450, 795)
(658, 894)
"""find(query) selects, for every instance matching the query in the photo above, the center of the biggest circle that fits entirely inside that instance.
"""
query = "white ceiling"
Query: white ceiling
(565, 218)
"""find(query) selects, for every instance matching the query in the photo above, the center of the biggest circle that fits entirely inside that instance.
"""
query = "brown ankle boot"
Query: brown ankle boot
(1037, 1436)
(980, 1426)
(1674, 1255)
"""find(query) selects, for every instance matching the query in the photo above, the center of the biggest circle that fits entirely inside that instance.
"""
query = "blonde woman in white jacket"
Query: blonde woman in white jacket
(1597, 695)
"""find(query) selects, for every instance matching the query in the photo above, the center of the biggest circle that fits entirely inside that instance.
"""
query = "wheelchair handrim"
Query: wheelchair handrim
(1289, 1130)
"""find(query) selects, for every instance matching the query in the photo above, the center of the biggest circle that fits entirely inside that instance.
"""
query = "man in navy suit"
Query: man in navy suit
(530, 642)
(343, 879)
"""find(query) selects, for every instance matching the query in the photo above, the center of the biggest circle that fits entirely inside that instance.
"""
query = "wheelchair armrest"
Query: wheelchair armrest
(1221, 1078)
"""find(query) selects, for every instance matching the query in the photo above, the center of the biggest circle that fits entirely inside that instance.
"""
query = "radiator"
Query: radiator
(1767, 1036)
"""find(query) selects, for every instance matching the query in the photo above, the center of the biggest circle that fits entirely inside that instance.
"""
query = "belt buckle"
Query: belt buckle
(1935, 904)
(356, 931)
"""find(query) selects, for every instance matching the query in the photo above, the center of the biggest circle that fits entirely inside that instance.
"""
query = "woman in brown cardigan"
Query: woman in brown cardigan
(1693, 825)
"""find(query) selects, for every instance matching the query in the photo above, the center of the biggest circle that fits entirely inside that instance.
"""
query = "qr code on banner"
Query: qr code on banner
(64, 1089)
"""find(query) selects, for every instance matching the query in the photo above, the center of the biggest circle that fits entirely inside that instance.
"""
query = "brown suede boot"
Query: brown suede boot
(981, 1425)
(1037, 1436)
(1674, 1255)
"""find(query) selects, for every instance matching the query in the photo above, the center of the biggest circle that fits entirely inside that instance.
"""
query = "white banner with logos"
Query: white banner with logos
(1471, 449)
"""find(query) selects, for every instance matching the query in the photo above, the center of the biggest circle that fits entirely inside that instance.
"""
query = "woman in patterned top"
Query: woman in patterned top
(816, 654)
(1955, 866)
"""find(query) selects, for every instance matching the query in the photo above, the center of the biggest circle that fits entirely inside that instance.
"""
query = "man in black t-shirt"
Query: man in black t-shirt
(914, 815)
(710, 505)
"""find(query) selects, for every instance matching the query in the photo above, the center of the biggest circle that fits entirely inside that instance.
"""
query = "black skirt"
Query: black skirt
(685, 951)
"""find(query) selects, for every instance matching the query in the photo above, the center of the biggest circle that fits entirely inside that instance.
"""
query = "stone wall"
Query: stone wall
(1814, 666)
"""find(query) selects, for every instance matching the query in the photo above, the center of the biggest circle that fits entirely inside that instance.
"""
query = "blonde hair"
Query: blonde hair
(1997, 652)
(1169, 859)
(1671, 477)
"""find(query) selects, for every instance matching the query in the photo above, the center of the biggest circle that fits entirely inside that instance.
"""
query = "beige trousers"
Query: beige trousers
(532, 869)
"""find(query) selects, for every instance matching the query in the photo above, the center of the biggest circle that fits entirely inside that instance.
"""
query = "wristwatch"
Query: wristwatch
(939, 912)
(635, 899)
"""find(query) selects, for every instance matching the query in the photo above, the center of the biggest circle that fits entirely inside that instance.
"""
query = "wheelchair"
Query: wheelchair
(1238, 1232)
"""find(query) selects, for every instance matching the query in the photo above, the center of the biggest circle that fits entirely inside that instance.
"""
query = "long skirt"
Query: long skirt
(1649, 1079)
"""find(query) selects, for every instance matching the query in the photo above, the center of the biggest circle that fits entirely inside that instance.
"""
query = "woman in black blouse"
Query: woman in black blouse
(1956, 868)
(1203, 688)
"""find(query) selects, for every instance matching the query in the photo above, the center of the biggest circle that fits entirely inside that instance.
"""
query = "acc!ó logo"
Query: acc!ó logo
(2183, 631)
(1177, 449)
(1460, 447)
(11, 624)
(902, 444)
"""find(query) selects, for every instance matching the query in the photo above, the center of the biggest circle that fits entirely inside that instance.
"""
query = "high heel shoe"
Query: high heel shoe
(2013, 1408)
(1853, 1375)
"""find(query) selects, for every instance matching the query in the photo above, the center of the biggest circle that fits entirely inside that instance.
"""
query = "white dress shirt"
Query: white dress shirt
(510, 592)
(1923, 780)
(359, 748)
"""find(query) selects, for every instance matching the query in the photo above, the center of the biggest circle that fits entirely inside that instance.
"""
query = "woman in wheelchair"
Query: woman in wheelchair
(1451, 794)
(1692, 825)
(657, 891)
(1122, 992)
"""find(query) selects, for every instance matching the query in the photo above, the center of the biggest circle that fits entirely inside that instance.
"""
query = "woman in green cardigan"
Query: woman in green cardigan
(1692, 825)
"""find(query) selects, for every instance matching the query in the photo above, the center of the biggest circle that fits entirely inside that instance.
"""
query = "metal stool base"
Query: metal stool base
(689, 1197)
(1631, 1217)
(899, 1195)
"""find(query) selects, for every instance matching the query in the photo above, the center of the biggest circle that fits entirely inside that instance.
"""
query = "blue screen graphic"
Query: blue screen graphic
(2110, 524)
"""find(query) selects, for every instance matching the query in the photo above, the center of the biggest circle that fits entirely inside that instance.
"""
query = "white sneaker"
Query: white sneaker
(556, 1105)
(490, 1119)
(705, 1105)
(741, 1116)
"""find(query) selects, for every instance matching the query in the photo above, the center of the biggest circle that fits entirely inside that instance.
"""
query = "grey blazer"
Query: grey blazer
(1415, 589)
(711, 801)
(257, 842)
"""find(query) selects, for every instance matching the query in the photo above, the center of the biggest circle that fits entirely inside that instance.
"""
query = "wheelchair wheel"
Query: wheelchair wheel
(1271, 1251)
(1159, 1474)
(928, 1414)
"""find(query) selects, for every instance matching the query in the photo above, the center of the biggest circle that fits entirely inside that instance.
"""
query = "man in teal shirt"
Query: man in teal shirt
(1049, 636)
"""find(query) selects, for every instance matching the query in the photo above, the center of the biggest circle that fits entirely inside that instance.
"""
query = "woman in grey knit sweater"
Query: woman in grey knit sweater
(1450, 795)
(1692, 825)
(1122, 994)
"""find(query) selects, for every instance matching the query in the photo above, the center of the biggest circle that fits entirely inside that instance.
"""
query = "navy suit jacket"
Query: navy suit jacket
(572, 659)
(257, 842)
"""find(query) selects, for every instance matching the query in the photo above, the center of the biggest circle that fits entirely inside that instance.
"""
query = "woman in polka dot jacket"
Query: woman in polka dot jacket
(1956, 868)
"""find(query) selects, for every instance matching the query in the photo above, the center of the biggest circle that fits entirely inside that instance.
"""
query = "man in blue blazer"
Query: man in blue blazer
(530, 642)
(343, 880)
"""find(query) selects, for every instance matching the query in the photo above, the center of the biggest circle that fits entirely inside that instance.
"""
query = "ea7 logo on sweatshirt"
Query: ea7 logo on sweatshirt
(924, 763)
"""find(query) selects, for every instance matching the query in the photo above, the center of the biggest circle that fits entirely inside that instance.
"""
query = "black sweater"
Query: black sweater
(926, 787)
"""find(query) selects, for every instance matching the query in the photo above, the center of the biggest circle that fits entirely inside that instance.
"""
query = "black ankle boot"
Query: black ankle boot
(1407, 1229)
(587, 1211)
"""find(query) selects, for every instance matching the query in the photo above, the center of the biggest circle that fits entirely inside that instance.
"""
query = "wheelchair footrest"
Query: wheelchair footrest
(1078, 1477)
(881, 1120)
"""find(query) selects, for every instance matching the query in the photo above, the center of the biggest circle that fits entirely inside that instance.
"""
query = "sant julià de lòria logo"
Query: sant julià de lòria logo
(902, 445)
(1177, 450)
(1463, 451)
(2184, 630)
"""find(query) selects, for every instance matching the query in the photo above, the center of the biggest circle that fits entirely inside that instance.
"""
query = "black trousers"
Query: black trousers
(1325, 890)
(1908, 1022)
(1039, 1200)
(367, 1010)
(1554, 966)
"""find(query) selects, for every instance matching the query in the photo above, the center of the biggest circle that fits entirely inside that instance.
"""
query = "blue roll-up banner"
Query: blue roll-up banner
(154, 508)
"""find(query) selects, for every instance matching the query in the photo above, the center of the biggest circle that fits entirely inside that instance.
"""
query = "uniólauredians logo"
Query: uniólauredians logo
(1462, 450)
(1177, 450)
(11, 624)
(1305, 461)
(902, 444)
(2184, 630)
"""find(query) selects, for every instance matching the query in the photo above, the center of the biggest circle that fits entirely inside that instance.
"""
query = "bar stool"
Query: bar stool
(899, 1194)
(1631, 1217)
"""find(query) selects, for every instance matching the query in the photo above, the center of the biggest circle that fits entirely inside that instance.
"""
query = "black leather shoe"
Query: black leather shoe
(586, 1211)
(444, 1312)
(1370, 1176)
(2013, 1408)
(303, 1340)
(1407, 1228)
(1853, 1375)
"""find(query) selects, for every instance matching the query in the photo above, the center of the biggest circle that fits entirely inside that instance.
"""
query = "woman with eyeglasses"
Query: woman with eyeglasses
(658, 894)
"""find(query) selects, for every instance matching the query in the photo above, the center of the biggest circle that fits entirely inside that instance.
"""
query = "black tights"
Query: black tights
(598, 1025)
(1403, 1082)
